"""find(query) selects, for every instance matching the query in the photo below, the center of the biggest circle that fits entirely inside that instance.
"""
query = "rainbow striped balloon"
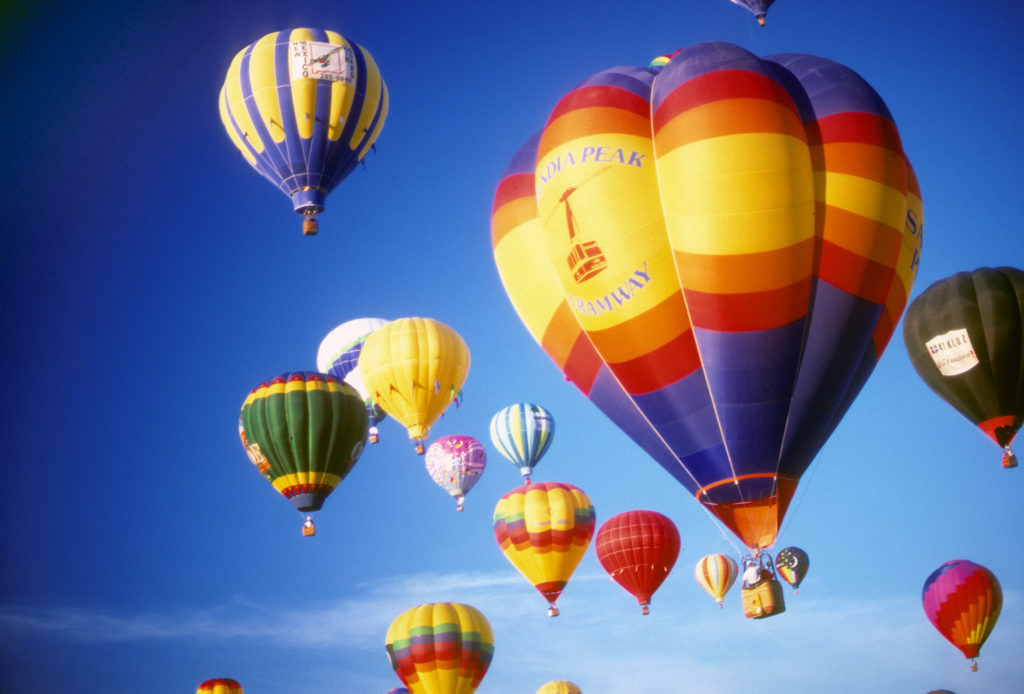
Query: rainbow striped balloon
(716, 573)
(963, 601)
(716, 253)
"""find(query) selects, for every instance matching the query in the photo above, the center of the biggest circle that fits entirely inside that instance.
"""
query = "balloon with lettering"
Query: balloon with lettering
(303, 106)
(559, 687)
(456, 463)
(414, 368)
(338, 355)
(791, 564)
(544, 530)
(965, 338)
(716, 253)
(638, 550)
(440, 648)
(304, 431)
(759, 8)
(963, 601)
(522, 433)
(222, 685)
(716, 573)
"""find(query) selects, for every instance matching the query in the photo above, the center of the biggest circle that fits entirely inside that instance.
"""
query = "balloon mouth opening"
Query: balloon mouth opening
(307, 502)
(308, 201)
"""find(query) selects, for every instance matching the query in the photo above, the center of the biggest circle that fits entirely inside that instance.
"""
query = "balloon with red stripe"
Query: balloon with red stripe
(638, 550)
(963, 601)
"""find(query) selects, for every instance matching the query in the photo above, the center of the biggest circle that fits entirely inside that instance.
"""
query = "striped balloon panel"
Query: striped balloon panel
(310, 428)
(220, 686)
(440, 648)
(716, 573)
(522, 433)
(414, 368)
(638, 550)
(338, 354)
(963, 601)
(456, 463)
(544, 530)
(532, 286)
(301, 133)
(559, 687)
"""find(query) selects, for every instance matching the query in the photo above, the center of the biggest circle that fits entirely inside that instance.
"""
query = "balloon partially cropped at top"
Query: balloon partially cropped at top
(963, 601)
(338, 355)
(222, 685)
(304, 431)
(759, 8)
(303, 106)
(414, 368)
(559, 687)
(716, 253)
(440, 648)
(965, 337)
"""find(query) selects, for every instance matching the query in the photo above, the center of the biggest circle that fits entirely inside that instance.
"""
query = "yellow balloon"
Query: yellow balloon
(544, 530)
(559, 687)
(414, 368)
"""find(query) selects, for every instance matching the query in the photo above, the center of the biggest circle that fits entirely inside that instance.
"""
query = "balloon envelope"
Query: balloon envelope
(791, 564)
(759, 8)
(220, 686)
(559, 687)
(440, 648)
(716, 573)
(638, 550)
(456, 463)
(303, 106)
(965, 338)
(305, 431)
(725, 306)
(338, 356)
(522, 433)
(963, 601)
(414, 368)
(544, 530)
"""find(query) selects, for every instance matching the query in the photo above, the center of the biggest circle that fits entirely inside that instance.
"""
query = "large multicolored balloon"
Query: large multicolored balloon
(456, 463)
(222, 685)
(440, 648)
(522, 433)
(963, 601)
(338, 356)
(304, 431)
(792, 564)
(759, 8)
(414, 368)
(559, 687)
(638, 550)
(303, 106)
(716, 573)
(716, 254)
(965, 337)
(544, 530)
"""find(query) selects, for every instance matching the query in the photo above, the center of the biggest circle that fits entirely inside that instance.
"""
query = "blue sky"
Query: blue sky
(150, 279)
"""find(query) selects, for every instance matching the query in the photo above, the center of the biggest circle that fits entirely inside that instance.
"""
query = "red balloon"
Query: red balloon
(638, 549)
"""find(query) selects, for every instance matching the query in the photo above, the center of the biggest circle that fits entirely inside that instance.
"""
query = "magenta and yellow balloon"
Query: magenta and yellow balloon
(456, 463)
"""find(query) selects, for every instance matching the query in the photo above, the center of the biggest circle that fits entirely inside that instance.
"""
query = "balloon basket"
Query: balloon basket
(310, 226)
(763, 599)
(419, 448)
(308, 529)
(553, 611)
(644, 609)
(1009, 460)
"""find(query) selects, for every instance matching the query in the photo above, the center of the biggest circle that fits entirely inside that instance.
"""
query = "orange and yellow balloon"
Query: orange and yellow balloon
(559, 687)
(715, 252)
(222, 685)
(414, 368)
(440, 648)
(544, 529)
(716, 573)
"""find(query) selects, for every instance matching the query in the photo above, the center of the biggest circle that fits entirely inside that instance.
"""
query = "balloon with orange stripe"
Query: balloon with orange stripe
(222, 685)
(715, 252)
(544, 529)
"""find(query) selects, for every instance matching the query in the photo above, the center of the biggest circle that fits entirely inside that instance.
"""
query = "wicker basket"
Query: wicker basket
(763, 599)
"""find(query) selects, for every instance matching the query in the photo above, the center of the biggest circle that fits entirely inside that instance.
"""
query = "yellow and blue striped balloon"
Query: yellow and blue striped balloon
(303, 106)
(523, 433)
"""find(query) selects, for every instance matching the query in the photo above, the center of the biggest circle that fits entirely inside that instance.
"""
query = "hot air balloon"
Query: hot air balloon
(522, 433)
(559, 687)
(965, 337)
(304, 431)
(792, 563)
(338, 356)
(759, 8)
(963, 601)
(413, 368)
(638, 550)
(440, 648)
(303, 106)
(398, 690)
(725, 306)
(544, 529)
(456, 463)
(716, 573)
(220, 686)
